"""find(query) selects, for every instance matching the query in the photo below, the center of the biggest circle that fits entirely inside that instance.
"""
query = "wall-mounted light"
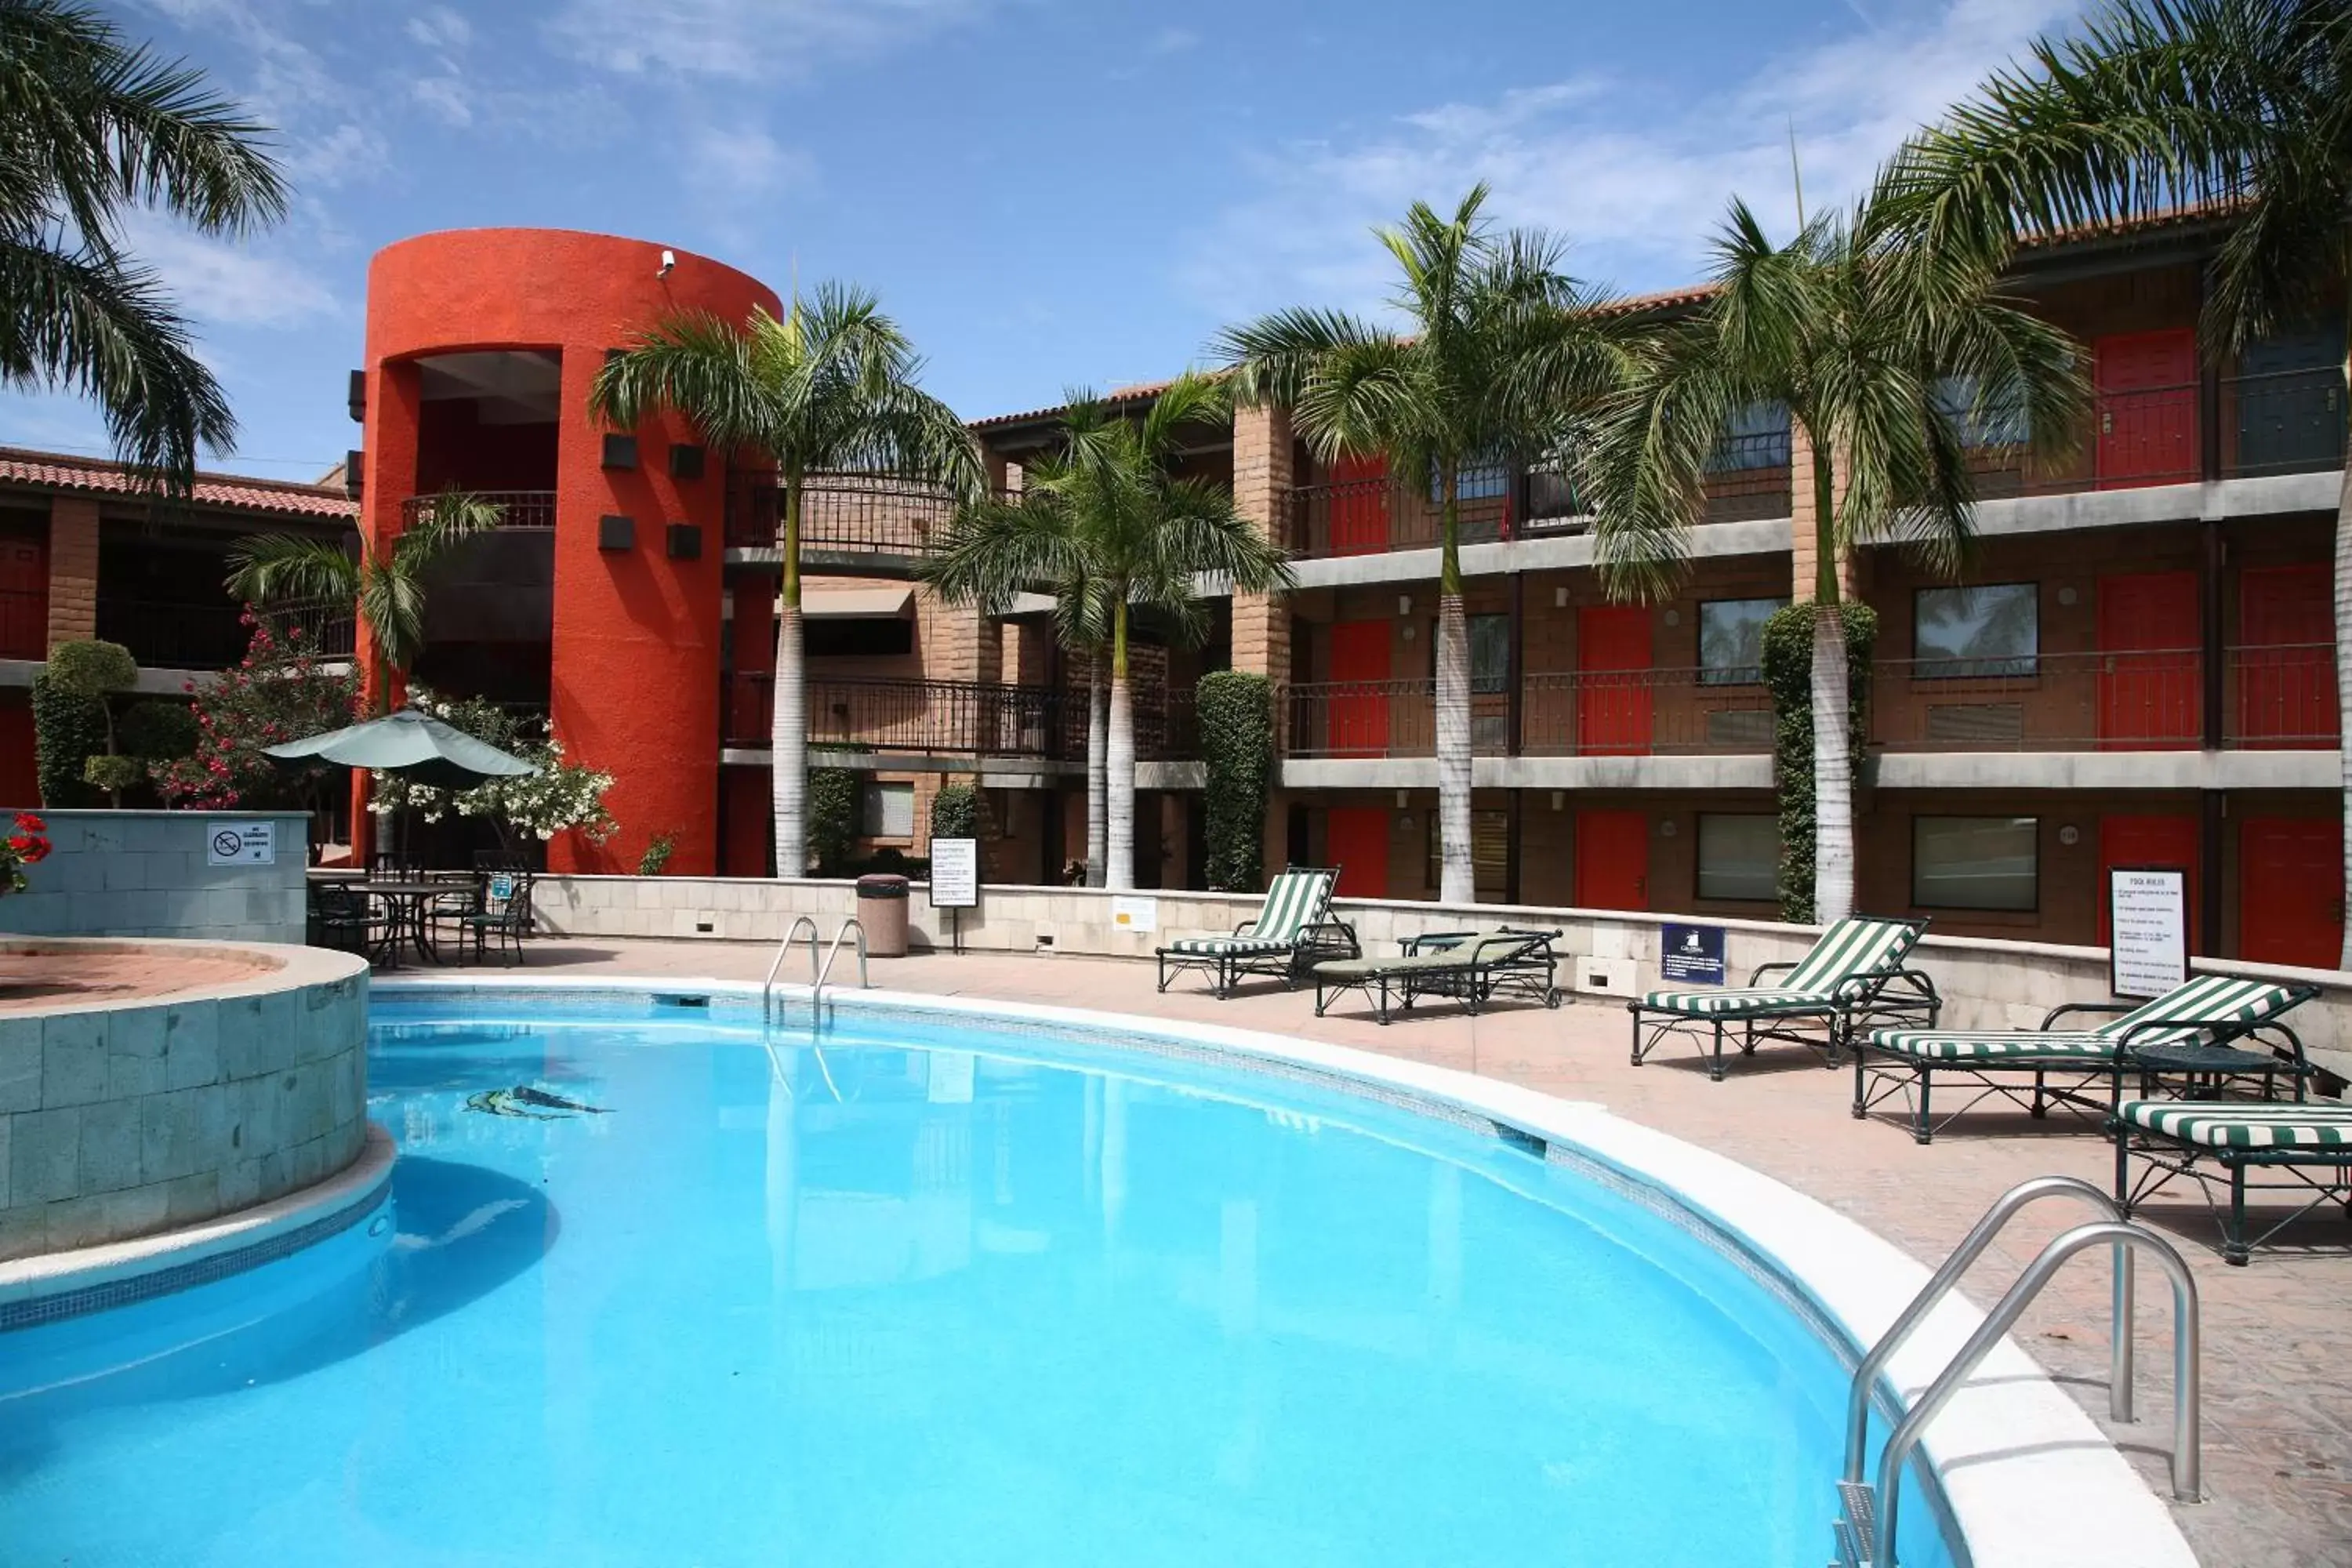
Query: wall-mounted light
(1558, 799)
(1404, 604)
(1403, 798)
(1560, 598)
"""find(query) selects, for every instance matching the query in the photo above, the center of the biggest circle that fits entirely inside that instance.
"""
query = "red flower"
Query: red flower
(29, 823)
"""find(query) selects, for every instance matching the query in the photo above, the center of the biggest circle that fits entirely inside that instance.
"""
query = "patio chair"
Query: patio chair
(347, 920)
(2310, 1145)
(503, 917)
(1294, 926)
(2188, 1031)
(1472, 966)
(1854, 972)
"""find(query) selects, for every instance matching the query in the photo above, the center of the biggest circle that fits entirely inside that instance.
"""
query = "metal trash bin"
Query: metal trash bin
(882, 911)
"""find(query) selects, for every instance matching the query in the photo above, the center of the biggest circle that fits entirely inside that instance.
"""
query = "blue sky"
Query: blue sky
(1046, 192)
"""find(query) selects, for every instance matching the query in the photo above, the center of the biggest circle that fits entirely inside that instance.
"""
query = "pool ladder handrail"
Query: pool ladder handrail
(1869, 1513)
(816, 992)
(792, 933)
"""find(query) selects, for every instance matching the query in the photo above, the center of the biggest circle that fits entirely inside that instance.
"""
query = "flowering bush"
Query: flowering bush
(281, 690)
(28, 845)
(562, 796)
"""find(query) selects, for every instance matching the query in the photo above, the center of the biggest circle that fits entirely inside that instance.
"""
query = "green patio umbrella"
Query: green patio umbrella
(413, 744)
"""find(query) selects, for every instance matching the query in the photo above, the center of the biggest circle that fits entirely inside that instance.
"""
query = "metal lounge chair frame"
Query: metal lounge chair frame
(1225, 958)
(1822, 1021)
(2317, 1173)
(1473, 967)
(2082, 1070)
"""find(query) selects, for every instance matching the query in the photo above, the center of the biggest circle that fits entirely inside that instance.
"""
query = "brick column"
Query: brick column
(1804, 556)
(73, 569)
(1262, 494)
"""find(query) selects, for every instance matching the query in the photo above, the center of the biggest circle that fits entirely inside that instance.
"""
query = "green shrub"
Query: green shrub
(657, 856)
(1789, 676)
(158, 731)
(955, 811)
(832, 820)
(93, 667)
(1236, 718)
(69, 729)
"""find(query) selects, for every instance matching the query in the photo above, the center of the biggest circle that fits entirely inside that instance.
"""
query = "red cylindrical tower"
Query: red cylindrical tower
(481, 344)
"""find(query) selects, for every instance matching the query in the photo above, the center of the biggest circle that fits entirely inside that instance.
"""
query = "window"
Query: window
(1999, 422)
(1490, 654)
(1731, 640)
(1738, 857)
(890, 811)
(1976, 862)
(1472, 481)
(1756, 437)
(1490, 854)
(1991, 630)
(847, 637)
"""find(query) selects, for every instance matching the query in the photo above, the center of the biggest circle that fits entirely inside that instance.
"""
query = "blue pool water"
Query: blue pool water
(935, 1298)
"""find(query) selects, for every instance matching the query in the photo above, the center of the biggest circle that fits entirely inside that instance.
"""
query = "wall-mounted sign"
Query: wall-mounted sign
(1690, 954)
(2147, 915)
(955, 873)
(1135, 914)
(241, 844)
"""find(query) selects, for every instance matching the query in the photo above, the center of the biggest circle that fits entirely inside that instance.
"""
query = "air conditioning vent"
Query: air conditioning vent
(1976, 723)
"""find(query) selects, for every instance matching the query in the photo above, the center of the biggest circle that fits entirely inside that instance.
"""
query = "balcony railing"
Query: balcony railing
(958, 718)
(879, 513)
(23, 624)
(1642, 712)
(517, 508)
(1360, 719)
(2151, 699)
(324, 630)
(175, 636)
(2281, 697)
(2267, 422)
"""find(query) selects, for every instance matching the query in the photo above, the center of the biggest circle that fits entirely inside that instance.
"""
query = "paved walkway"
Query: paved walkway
(2278, 1334)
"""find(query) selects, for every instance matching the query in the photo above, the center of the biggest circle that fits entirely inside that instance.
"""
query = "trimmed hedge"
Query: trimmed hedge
(1789, 676)
(955, 811)
(1236, 719)
(831, 819)
(69, 729)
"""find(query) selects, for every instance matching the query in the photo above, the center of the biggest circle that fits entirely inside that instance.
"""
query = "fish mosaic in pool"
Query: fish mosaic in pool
(945, 1296)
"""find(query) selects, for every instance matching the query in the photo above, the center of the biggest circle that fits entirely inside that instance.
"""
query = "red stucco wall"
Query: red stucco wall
(635, 643)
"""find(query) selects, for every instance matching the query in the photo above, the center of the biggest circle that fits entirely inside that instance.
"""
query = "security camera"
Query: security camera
(669, 264)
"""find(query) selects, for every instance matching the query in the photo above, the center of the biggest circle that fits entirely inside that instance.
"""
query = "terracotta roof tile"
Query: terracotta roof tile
(63, 471)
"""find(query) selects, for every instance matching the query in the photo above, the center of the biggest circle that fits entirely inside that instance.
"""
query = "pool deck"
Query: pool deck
(2278, 1334)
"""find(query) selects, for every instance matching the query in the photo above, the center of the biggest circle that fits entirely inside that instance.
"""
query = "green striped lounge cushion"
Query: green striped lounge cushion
(1221, 944)
(2197, 1010)
(1296, 901)
(1850, 948)
(2237, 1124)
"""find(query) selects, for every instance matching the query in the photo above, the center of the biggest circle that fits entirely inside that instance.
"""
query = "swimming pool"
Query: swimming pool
(937, 1293)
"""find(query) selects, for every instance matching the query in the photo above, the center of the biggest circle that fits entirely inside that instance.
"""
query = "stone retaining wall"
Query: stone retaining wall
(118, 1121)
(1986, 984)
(148, 873)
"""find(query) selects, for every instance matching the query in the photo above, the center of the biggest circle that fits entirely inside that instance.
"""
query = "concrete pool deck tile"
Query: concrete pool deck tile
(2278, 1367)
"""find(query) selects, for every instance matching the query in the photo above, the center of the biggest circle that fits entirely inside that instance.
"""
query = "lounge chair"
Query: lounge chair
(1294, 926)
(1854, 972)
(2310, 1145)
(1472, 966)
(2186, 1032)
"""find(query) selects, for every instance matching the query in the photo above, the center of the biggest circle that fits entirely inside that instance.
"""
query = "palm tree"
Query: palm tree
(385, 582)
(1886, 356)
(831, 387)
(1102, 524)
(1504, 349)
(91, 124)
(2245, 104)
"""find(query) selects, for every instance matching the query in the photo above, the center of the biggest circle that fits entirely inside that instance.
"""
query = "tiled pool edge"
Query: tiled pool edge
(52, 1287)
(2028, 1477)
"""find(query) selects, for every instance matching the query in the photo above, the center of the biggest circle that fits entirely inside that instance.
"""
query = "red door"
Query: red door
(1358, 715)
(2286, 657)
(1612, 860)
(2147, 409)
(2291, 891)
(2144, 841)
(1356, 839)
(1360, 506)
(1613, 654)
(2151, 691)
(24, 595)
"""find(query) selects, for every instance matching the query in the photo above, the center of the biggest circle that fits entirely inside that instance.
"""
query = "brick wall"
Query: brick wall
(1262, 477)
(73, 568)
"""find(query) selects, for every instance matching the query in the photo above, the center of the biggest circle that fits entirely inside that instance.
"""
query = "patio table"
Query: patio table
(406, 902)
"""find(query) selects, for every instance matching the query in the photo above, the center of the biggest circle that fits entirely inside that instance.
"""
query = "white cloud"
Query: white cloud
(745, 161)
(224, 283)
(444, 97)
(439, 28)
(1635, 172)
(1174, 40)
(748, 40)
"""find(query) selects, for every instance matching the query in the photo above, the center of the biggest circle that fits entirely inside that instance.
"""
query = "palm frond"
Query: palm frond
(287, 568)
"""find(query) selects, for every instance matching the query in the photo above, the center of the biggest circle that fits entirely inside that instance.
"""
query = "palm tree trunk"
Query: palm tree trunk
(1833, 714)
(2343, 679)
(1118, 783)
(788, 740)
(1457, 883)
(1098, 765)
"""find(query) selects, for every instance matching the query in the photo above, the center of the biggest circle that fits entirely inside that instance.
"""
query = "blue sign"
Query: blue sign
(1692, 954)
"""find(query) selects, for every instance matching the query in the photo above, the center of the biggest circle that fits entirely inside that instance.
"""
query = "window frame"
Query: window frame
(1960, 666)
(1698, 858)
(1920, 819)
(872, 822)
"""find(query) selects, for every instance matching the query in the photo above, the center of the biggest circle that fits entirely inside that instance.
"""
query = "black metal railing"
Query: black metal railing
(175, 636)
(2139, 700)
(24, 623)
(517, 508)
(2281, 697)
(960, 718)
(323, 629)
(1641, 712)
(2282, 422)
(884, 513)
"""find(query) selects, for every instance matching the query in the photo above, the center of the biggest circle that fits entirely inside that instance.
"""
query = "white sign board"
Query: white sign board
(241, 844)
(955, 873)
(1135, 914)
(2148, 911)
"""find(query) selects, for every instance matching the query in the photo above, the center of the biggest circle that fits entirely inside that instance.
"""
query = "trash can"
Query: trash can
(882, 911)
